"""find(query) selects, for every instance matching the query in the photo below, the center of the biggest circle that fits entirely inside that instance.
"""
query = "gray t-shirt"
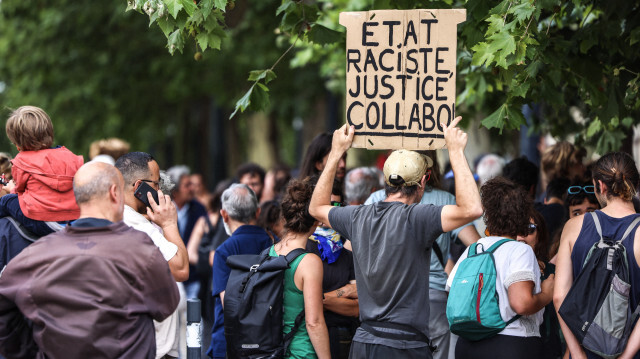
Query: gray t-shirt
(391, 251)
(437, 275)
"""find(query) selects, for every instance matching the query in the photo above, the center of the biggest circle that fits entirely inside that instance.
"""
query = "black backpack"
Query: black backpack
(597, 308)
(253, 306)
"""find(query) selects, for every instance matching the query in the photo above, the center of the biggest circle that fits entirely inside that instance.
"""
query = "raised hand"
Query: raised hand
(455, 138)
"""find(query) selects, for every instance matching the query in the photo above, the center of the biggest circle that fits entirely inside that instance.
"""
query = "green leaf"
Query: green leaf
(523, 11)
(627, 122)
(588, 43)
(189, 6)
(496, 119)
(287, 6)
(610, 141)
(259, 98)
(197, 18)
(322, 35)
(221, 4)
(203, 40)
(501, 45)
(520, 89)
(243, 102)
(501, 8)
(515, 117)
(154, 17)
(175, 42)
(257, 75)
(594, 127)
(207, 6)
(167, 25)
(214, 40)
(481, 54)
(521, 53)
(533, 68)
(211, 24)
(174, 7)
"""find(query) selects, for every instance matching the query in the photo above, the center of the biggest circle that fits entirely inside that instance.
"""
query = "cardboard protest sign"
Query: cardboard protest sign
(401, 76)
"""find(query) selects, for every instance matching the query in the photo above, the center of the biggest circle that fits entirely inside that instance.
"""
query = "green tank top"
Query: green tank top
(300, 346)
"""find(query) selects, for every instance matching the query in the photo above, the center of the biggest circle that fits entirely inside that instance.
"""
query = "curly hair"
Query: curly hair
(295, 206)
(618, 171)
(507, 208)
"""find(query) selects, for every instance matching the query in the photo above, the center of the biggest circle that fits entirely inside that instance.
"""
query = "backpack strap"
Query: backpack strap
(630, 228)
(515, 317)
(438, 252)
(294, 254)
(498, 244)
(596, 221)
(289, 336)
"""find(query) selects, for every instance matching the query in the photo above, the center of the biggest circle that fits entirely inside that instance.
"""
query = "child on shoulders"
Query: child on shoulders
(42, 196)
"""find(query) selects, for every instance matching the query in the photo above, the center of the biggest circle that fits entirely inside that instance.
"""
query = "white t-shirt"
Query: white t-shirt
(137, 221)
(167, 338)
(515, 262)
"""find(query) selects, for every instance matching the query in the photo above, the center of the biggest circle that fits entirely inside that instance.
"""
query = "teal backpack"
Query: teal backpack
(472, 308)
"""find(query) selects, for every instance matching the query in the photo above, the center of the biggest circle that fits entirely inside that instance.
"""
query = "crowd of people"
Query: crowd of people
(98, 258)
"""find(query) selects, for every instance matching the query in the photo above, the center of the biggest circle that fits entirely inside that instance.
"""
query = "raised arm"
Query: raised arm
(468, 205)
(164, 214)
(564, 279)
(320, 204)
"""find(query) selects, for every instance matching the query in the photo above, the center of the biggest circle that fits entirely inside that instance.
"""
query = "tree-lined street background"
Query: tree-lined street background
(167, 75)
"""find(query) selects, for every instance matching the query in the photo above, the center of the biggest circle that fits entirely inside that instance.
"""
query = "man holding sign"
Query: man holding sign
(392, 243)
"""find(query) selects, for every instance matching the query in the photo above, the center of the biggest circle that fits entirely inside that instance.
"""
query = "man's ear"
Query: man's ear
(423, 181)
(113, 193)
(225, 215)
(601, 187)
(258, 213)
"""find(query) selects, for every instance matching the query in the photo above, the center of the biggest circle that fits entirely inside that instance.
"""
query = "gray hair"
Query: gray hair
(490, 166)
(240, 203)
(360, 183)
(166, 184)
(177, 172)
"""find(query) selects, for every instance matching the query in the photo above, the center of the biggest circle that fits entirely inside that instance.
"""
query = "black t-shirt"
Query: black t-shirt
(336, 275)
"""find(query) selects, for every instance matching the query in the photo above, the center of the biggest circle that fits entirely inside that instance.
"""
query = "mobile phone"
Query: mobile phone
(141, 193)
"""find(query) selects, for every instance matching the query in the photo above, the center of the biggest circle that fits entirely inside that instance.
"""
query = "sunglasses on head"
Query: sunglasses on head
(532, 228)
(577, 189)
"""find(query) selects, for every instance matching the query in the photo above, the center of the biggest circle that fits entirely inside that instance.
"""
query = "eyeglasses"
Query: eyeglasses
(577, 189)
(336, 204)
(532, 228)
(157, 184)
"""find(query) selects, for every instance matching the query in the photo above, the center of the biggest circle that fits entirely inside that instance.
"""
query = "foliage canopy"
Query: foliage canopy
(558, 54)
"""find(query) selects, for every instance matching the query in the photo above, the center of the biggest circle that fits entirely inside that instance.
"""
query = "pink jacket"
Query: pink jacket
(44, 183)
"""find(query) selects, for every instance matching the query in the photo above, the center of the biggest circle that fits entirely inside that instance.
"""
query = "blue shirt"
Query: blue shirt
(437, 275)
(246, 239)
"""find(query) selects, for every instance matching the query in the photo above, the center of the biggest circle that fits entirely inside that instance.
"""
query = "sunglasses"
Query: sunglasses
(533, 228)
(336, 204)
(577, 189)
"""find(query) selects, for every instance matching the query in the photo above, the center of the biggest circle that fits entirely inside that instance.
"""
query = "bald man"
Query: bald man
(91, 290)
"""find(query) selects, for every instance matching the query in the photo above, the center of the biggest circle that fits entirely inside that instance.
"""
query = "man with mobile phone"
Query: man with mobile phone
(161, 224)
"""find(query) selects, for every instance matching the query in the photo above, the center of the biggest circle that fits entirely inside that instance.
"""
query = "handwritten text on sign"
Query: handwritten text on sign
(401, 76)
